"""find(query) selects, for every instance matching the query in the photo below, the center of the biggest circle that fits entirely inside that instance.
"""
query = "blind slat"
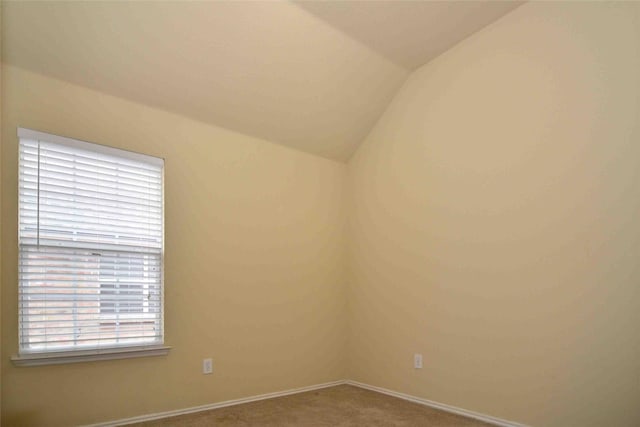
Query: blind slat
(106, 215)
(95, 244)
(84, 319)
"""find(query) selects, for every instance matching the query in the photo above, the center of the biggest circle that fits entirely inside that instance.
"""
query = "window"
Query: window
(91, 247)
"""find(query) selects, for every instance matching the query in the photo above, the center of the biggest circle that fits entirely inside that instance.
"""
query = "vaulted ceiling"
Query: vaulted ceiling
(314, 76)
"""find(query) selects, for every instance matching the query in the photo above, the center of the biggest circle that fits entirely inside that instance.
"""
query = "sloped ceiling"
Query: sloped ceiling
(409, 33)
(314, 76)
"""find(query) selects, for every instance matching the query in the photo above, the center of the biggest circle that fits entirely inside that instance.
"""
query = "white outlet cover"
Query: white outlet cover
(207, 366)
(417, 361)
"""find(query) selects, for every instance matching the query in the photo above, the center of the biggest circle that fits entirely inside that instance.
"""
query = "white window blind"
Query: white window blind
(91, 246)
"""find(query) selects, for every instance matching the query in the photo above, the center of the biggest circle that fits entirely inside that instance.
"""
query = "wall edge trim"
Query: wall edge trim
(437, 405)
(426, 402)
(233, 402)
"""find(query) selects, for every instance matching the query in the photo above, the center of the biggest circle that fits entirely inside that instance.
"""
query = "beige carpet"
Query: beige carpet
(340, 406)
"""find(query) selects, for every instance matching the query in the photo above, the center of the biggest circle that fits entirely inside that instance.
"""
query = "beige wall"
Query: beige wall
(494, 223)
(254, 273)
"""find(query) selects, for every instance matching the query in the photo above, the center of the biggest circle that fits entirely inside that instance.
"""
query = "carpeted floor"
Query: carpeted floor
(340, 406)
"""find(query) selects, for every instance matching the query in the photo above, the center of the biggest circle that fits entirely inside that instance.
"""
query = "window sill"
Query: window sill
(58, 358)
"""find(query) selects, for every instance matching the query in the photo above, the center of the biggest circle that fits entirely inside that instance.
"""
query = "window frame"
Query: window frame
(47, 357)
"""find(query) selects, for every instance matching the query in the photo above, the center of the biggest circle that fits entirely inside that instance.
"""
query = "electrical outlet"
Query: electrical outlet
(207, 366)
(417, 361)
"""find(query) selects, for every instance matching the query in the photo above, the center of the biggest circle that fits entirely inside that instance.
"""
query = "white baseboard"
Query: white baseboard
(210, 406)
(437, 405)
